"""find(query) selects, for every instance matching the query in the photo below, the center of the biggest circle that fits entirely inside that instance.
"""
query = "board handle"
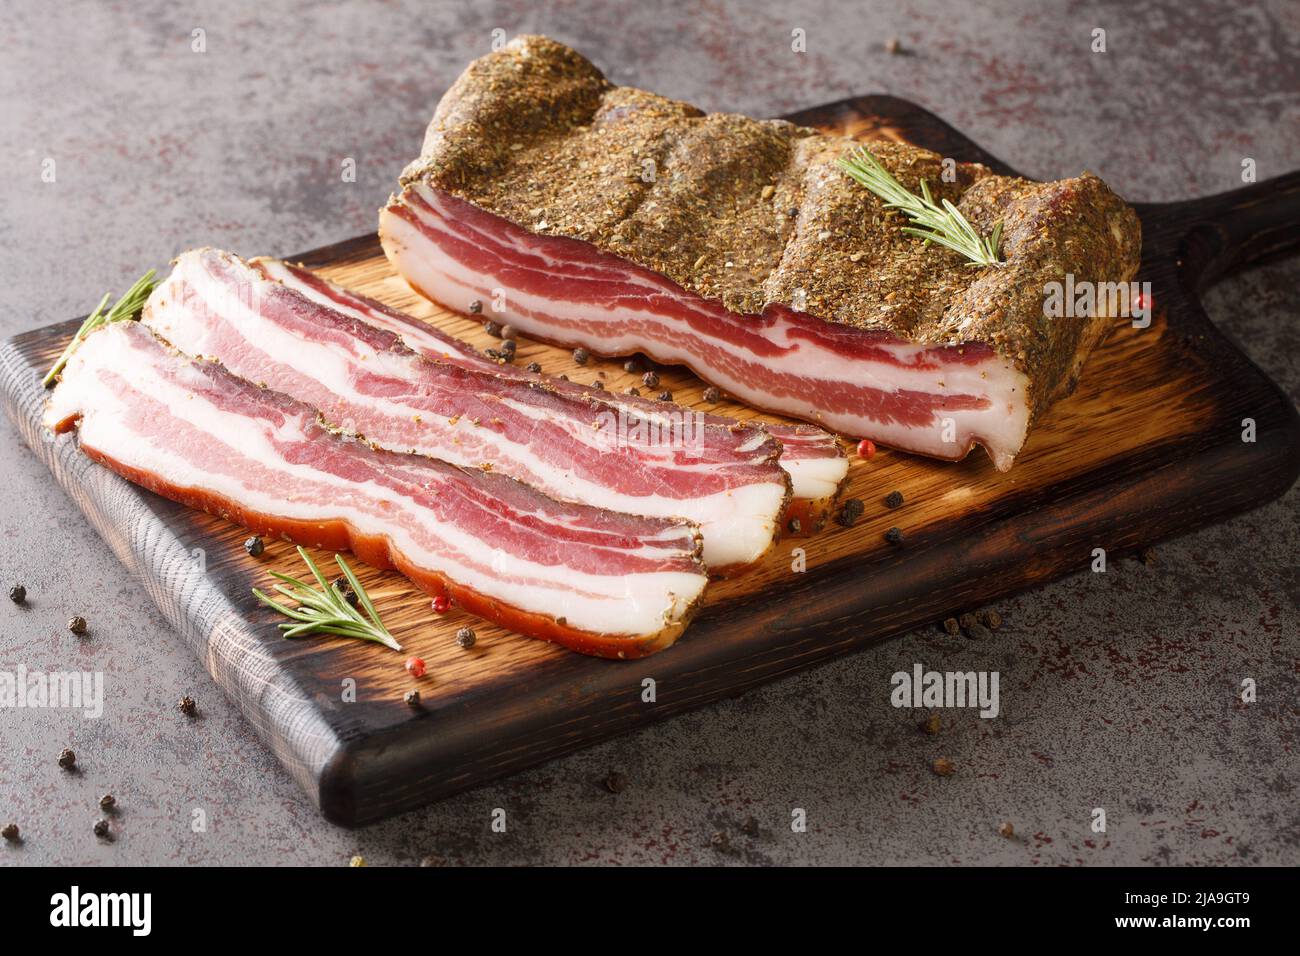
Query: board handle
(1222, 234)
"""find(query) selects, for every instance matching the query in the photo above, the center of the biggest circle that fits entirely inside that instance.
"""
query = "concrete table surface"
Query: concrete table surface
(1118, 690)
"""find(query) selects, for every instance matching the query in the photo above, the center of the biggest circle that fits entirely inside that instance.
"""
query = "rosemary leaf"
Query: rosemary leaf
(326, 610)
(127, 307)
(941, 223)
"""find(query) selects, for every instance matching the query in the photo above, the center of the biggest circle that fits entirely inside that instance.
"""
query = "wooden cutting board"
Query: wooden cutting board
(1150, 445)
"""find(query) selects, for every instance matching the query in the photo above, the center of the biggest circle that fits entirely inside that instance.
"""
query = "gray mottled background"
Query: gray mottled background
(1118, 690)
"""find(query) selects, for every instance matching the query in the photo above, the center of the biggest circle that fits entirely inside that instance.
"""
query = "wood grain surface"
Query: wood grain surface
(1149, 445)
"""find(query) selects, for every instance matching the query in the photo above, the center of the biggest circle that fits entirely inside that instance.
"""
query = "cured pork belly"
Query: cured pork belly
(811, 456)
(365, 380)
(596, 581)
(621, 221)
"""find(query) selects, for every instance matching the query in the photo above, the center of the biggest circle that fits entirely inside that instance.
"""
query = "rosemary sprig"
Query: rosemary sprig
(940, 222)
(327, 611)
(127, 307)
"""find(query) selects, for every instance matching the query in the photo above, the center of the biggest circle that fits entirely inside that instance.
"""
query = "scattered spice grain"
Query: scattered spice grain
(851, 512)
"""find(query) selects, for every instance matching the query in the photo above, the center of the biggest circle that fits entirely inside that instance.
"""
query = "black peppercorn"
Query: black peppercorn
(650, 379)
(107, 801)
(255, 545)
(67, 759)
(344, 587)
(665, 396)
(475, 307)
(101, 828)
(466, 637)
(851, 512)
(750, 826)
(534, 367)
(492, 328)
(616, 782)
(990, 619)
(632, 366)
(598, 385)
(412, 698)
(712, 395)
(77, 625)
(634, 391)
(187, 706)
(18, 594)
(581, 355)
(894, 499)
(894, 537)
(795, 525)
(978, 632)
(10, 832)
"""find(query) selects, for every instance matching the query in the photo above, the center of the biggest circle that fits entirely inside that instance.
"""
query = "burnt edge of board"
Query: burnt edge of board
(356, 775)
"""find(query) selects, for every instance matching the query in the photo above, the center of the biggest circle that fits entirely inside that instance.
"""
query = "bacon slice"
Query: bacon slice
(811, 456)
(599, 582)
(936, 401)
(364, 380)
